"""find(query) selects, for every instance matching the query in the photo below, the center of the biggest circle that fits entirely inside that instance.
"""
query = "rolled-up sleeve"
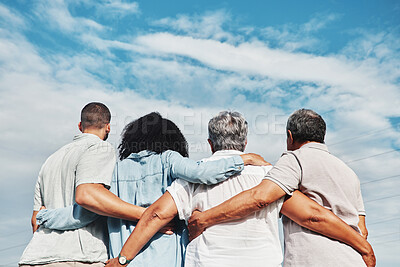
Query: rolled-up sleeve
(210, 172)
(182, 191)
(37, 200)
(96, 165)
(360, 202)
(286, 173)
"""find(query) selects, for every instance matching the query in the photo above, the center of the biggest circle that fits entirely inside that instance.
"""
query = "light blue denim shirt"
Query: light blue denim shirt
(141, 179)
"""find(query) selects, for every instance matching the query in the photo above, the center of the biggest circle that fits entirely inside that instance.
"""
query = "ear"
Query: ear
(108, 128)
(211, 145)
(290, 137)
(80, 127)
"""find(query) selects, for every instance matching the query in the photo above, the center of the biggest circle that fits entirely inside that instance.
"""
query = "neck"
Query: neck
(97, 132)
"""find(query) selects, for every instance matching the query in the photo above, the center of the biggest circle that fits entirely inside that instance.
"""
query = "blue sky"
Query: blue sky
(189, 60)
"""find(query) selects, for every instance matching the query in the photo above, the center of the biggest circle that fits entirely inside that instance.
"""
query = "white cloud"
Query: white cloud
(210, 26)
(118, 7)
(293, 37)
(57, 12)
(189, 72)
(9, 17)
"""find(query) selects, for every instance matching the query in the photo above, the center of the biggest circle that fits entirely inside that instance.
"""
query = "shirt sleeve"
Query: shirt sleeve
(37, 199)
(286, 173)
(68, 218)
(210, 172)
(360, 202)
(182, 191)
(96, 165)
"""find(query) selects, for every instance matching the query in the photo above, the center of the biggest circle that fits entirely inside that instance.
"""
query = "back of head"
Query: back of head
(228, 131)
(95, 115)
(306, 125)
(153, 133)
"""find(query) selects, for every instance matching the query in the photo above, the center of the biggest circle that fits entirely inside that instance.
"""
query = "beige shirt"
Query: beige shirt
(88, 159)
(251, 241)
(331, 183)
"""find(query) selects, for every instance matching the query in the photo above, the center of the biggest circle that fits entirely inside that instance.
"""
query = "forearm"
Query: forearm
(35, 226)
(243, 204)
(311, 215)
(153, 219)
(209, 172)
(67, 218)
(362, 226)
(96, 198)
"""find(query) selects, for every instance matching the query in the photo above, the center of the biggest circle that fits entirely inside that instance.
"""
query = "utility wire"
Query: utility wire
(373, 200)
(380, 179)
(13, 263)
(360, 136)
(385, 220)
(372, 156)
(17, 246)
(14, 233)
(384, 242)
(378, 236)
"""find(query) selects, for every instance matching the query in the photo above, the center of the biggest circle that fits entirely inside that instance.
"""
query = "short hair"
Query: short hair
(228, 130)
(153, 133)
(306, 125)
(95, 115)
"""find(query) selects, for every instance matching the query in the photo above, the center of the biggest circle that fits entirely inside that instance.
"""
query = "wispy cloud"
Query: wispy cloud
(10, 17)
(208, 26)
(189, 67)
(57, 12)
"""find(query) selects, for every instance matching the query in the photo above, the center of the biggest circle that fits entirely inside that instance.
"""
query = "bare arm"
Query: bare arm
(35, 226)
(154, 218)
(362, 226)
(311, 215)
(96, 198)
(237, 207)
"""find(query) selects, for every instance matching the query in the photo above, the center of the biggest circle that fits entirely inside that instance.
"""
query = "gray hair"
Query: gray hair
(228, 130)
(306, 125)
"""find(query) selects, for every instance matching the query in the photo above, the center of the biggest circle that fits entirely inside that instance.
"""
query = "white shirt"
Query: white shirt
(251, 241)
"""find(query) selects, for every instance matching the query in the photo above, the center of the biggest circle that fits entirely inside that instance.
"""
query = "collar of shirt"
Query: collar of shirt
(85, 135)
(316, 145)
(226, 153)
(141, 154)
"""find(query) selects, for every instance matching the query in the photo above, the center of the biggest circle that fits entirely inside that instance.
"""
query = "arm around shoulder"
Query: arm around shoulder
(313, 216)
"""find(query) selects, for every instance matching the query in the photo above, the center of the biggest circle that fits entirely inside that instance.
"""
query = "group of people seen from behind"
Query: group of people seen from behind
(156, 207)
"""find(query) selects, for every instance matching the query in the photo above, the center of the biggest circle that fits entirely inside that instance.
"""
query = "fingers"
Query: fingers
(42, 208)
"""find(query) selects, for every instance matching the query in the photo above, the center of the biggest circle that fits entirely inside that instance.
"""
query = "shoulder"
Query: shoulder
(170, 156)
(256, 170)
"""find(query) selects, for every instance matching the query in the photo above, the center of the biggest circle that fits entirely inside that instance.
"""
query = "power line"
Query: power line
(17, 246)
(9, 264)
(372, 156)
(14, 233)
(378, 236)
(372, 200)
(380, 179)
(384, 242)
(360, 136)
(385, 220)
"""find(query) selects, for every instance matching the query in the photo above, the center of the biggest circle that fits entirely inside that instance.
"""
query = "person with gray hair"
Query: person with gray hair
(249, 241)
(309, 167)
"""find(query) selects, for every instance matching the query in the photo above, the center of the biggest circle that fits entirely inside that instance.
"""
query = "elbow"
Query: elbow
(260, 198)
(315, 217)
(82, 196)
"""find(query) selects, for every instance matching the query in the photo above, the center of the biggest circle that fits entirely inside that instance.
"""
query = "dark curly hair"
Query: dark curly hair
(154, 133)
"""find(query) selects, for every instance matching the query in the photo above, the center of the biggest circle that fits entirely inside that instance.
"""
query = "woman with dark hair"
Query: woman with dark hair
(153, 153)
